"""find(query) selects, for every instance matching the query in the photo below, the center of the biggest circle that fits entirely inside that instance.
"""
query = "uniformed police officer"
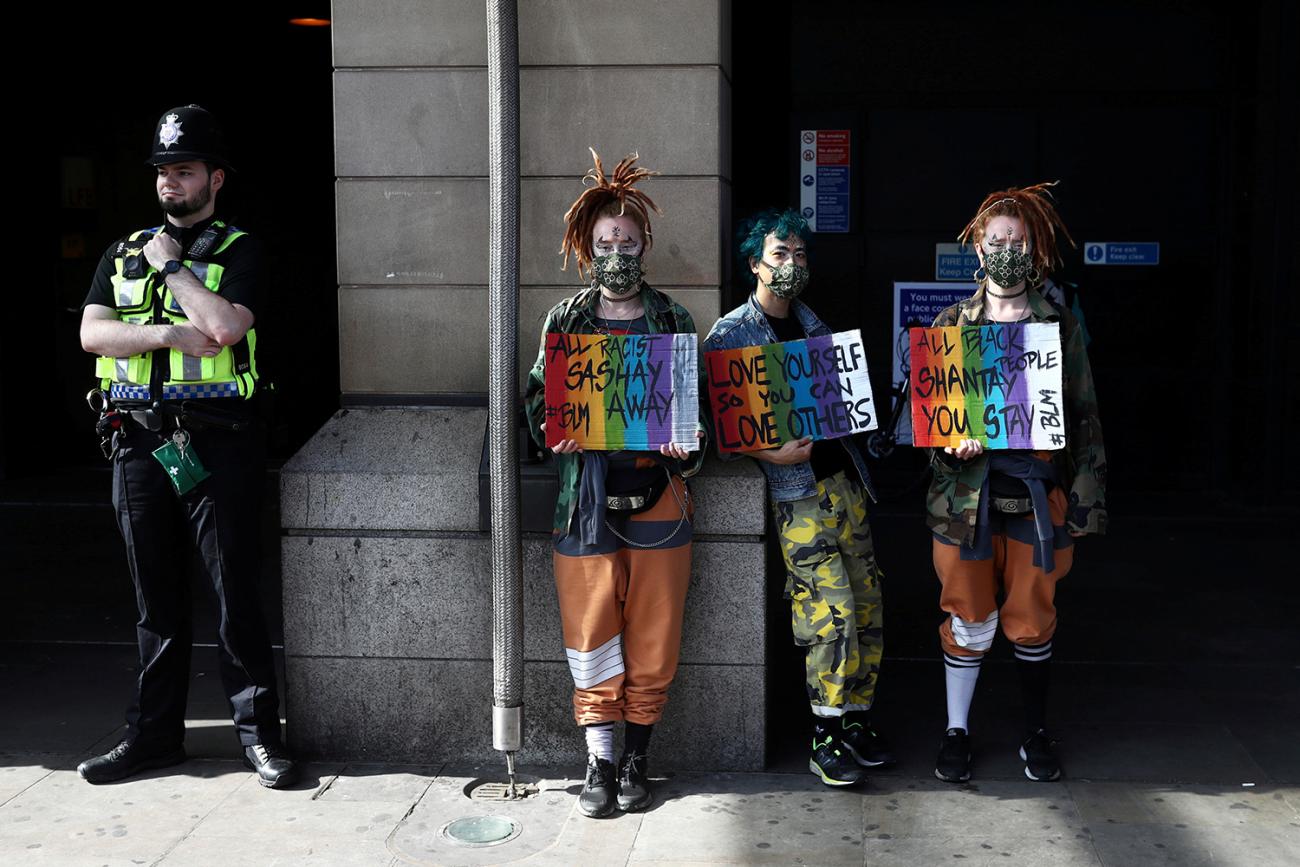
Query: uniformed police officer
(171, 316)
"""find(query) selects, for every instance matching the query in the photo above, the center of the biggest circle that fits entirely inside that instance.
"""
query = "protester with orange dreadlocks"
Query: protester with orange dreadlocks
(622, 536)
(1007, 519)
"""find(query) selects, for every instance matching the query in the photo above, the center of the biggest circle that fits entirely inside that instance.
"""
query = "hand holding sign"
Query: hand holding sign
(966, 449)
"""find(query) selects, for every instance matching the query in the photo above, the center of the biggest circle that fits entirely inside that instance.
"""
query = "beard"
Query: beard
(184, 207)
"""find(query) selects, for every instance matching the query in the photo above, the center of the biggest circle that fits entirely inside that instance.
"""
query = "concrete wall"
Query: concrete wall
(386, 575)
(410, 105)
(387, 599)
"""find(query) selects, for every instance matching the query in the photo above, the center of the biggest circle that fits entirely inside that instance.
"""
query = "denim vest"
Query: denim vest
(747, 326)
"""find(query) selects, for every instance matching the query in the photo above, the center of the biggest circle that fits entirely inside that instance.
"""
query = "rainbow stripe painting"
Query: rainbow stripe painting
(622, 391)
(763, 396)
(999, 384)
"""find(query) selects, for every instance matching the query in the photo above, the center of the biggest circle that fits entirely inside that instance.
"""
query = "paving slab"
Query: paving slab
(418, 838)
(751, 819)
(243, 851)
(386, 784)
(970, 850)
(923, 808)
(1206, 846)
(1192, 806)
(264, 813)
(1273, 746)
(1187, 752)
(17, 778)
(589, 841)
(62, 819)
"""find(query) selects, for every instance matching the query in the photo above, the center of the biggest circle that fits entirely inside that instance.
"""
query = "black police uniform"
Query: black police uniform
(220, 518)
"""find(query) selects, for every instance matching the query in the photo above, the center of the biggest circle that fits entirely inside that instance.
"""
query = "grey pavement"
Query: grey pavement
(1158, 791)
(1176, 695)
(211, 811)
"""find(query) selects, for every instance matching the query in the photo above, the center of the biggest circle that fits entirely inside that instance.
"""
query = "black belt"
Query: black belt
(156, 416)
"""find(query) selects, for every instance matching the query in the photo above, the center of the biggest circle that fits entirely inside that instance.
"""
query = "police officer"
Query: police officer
(171, 315)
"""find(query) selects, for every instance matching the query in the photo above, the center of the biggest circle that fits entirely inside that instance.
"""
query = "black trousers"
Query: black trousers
(221, 519)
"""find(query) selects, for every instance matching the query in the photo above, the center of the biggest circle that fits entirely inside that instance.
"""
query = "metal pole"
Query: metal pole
(503, 387)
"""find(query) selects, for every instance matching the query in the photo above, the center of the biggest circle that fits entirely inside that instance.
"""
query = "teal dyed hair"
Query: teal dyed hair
(752, 231)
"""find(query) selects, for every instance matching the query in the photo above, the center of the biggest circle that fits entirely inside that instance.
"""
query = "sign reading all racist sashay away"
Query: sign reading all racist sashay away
(622, 391)
(999, 384)
(763, 396)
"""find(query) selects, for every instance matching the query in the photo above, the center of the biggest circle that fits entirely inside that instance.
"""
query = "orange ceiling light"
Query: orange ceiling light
(310, 22)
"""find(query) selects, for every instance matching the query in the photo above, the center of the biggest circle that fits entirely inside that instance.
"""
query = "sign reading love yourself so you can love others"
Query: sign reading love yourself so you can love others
(999, 384)
(622, 391)
(763, 396)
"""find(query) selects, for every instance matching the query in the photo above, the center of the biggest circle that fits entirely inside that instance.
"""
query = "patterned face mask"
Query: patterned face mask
(620, 273)
(788, 280)
(1008, 266)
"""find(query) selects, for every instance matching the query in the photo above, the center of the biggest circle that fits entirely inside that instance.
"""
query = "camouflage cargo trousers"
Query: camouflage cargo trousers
(833, 584)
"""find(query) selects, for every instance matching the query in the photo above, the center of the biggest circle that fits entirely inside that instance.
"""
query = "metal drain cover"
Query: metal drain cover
(478, 831)
(494, 791)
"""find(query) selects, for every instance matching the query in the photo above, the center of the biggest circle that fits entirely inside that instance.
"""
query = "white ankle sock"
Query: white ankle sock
(600, 740)
(959, 675)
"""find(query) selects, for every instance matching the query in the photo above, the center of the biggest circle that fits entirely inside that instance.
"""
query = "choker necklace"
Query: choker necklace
(1022, 291)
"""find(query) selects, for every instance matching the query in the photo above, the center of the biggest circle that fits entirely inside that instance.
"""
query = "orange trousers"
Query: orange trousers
(970, 587)
(621, 610)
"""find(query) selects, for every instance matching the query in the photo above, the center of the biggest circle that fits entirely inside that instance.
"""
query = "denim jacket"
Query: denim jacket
(747, 326)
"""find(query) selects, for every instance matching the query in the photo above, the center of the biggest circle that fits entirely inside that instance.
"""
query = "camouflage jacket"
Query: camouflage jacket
(577, 315)
(953, 501)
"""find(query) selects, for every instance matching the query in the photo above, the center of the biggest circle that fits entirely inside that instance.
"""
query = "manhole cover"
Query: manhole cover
(481, 830)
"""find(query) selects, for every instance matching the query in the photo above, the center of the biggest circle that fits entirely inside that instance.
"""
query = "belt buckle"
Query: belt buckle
(622, 503)
(1008, 506)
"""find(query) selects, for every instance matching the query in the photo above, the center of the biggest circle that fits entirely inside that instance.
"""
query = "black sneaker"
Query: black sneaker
(633, 790)
(273, 764)
(831, 762)
(1040, 762)
(866, 746)
(597, 798)
(953, 764)
(128, 758)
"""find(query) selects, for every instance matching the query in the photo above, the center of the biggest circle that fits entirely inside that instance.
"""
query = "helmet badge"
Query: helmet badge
(170, 132)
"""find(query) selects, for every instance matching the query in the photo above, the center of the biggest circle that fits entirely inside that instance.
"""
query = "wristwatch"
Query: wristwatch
(172, 266)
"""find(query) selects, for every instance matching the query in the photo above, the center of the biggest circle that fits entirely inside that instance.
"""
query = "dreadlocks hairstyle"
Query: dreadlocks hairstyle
(615, 196)
(1033, 205)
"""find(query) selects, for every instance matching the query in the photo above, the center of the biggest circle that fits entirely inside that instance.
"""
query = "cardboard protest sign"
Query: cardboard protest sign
(622, 391)
(999, 384)
(915, 306)
(763, 396)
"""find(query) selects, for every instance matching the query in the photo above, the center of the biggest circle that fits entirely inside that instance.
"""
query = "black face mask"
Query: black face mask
(787, 280)
(620, 273)
(1008, 266)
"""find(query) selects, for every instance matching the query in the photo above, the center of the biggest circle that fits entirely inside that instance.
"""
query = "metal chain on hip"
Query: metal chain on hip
(680, 521)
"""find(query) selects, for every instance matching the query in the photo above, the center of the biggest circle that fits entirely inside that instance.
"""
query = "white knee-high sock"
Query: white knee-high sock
(959, 675)
(600, 740)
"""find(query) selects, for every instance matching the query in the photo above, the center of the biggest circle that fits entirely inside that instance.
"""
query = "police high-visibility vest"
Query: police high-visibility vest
(146, 299)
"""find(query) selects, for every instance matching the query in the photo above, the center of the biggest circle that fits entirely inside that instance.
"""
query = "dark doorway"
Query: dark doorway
(269, 84)
(1172, 123)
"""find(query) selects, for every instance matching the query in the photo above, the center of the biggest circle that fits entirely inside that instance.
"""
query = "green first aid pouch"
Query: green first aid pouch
(181, 463)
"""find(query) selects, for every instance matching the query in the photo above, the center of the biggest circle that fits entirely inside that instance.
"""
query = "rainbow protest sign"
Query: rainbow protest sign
(763, 396)
(999, 384)
(622, 391)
